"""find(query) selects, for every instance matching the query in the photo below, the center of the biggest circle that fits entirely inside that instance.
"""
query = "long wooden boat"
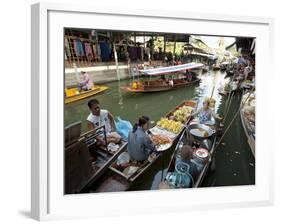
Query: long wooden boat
(216, 67)
(205, 167)
(248, 128)
(115, 180)
(85, 162)
(161, 84)
(158, 86)
(73, 94)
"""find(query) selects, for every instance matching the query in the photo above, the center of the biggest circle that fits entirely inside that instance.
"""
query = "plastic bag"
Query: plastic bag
(123, 128)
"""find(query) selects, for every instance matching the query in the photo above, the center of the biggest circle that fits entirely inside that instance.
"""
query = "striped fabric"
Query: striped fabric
(170, 69)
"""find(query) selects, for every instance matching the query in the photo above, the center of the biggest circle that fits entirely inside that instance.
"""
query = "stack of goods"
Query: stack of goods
(170, 125)
(182, 114)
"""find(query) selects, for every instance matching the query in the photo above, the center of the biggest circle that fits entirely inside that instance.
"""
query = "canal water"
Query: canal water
(234, 163)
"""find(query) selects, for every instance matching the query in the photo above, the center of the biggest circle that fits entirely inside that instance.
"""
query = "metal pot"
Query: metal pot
(200, 131)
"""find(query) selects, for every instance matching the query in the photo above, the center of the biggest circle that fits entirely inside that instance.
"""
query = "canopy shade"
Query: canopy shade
(170, 69)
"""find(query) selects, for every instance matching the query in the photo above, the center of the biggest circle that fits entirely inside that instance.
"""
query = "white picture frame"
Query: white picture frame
(48, 201)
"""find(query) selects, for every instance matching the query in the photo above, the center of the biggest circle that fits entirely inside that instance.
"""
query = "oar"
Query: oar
(235, 116)
(212, 92)
(228, 102)
(231, 94)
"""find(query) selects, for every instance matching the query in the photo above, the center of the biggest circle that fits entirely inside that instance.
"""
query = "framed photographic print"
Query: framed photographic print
(164, 108)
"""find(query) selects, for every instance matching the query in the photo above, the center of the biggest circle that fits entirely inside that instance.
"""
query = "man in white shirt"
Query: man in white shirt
(99, 117)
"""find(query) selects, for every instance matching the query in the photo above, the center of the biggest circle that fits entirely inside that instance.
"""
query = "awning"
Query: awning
(210, 56)
(170, 69)
(225, 63)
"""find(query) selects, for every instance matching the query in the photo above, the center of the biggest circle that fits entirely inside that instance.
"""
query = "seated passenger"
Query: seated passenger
(205, 114)
(186, 157)
(99, 117)
(139, 143)
(87, 83)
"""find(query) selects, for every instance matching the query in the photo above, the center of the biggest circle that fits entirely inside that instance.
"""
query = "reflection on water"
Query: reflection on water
(233, 161)
(130, 106)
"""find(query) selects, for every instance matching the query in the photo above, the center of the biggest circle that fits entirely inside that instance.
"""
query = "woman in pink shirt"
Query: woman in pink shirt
(87, 83)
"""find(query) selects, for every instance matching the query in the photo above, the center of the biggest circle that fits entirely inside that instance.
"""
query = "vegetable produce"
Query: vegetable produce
(182, 114)
(170, 125)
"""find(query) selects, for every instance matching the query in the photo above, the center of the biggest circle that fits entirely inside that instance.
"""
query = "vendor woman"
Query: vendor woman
(139, 143)
(205, 114)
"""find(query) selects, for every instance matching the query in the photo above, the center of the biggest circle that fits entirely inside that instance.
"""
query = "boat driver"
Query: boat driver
(99, 117)
(87, 83)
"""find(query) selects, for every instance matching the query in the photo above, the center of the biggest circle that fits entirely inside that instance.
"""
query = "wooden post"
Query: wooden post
(174, 51)
(116, 61)
(143, 51)
(76, 72)
(164, 48)
(135, 39)
(151, 48)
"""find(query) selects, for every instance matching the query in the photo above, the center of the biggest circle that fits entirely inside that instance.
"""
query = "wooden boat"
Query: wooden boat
(216, 67)
(158, 86)
(231, 87)
(73, 94)
(205, 166)
(229, 73)
(224, 65)
(248, 124)
(85, 162)
(115, 180)
(205, 68)
(161, 84)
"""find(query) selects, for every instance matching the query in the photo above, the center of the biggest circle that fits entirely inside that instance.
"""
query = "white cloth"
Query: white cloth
(103, 119)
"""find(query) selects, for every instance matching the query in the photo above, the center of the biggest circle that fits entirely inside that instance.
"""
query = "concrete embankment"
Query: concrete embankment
(99, 74)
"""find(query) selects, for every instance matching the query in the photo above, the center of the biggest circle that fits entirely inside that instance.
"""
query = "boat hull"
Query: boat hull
(250, 138)
(159, 88)
(72, 97)
(200, 178)
(115, 180)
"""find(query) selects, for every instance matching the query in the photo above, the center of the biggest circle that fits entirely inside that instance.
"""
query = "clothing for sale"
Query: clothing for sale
(133, 53)
(139, 52)
(105, 51)
(78, 47)
(88, 50)
(95, 52)
(67, 48)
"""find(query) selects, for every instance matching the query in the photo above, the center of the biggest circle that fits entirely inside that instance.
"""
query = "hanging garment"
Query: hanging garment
(78, 47)
(95, 53)
(66, 47)
(88, 50)
(139, 52)
(105, 51)
(133, 54)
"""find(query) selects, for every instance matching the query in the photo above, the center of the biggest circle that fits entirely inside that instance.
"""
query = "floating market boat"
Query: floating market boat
(122, 178)
(160, 83)
(178, 175)
(230, 87)
(224, 65)
(85, 162)
(73, 94)
(205, 68)
(247, 114)
(216, 67)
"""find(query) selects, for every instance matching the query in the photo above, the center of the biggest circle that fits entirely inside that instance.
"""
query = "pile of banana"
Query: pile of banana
(170, 125)
(182, 114)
